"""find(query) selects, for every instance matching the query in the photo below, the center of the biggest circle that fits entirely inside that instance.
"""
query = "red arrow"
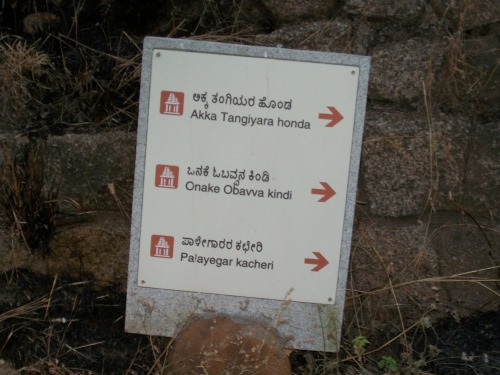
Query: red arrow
(320, 261)
(335, 117)
(327, 192)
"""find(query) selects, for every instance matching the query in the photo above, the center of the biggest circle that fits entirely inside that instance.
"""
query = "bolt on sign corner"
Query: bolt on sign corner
(245, 184)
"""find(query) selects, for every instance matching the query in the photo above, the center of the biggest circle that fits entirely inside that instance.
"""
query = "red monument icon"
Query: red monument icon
(167, 176)
(172, 103)
(162, 246)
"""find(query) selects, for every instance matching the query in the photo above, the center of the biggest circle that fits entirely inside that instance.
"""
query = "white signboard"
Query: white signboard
(246, 172)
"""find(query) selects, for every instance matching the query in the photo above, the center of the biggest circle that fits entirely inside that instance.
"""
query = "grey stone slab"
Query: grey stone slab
(465, 14)
(402, 71)
(339, 35)
(469, 262)
(412, 163)
(405, 11)
(388, 257)
(85, 168)
(285, 11)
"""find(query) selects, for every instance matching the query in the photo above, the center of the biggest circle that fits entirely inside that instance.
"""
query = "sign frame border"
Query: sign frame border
(162, 312)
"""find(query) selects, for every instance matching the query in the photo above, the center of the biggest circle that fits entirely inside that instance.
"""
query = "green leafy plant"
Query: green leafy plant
(388, 363)
(359, 345)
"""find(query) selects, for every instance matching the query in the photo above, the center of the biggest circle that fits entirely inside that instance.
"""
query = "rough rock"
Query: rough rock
(468, 251)
(324, 35)
(482, 174)
(469, 79)
(95, 250)
(221, 345)
(401, 159)
(385, 254)
(467, 14)
(93, 171)
(405, 11)
(400, 70)
(483, 73)
(12, 253)
(93, 175)
(410, 165)
(443, 262)
(6, 368)
(285, 11)
(394, 171)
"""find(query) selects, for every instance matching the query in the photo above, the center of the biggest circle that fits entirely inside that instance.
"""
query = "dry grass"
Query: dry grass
(24, 76)
(30, 206)
(60, 332)
(461, 84)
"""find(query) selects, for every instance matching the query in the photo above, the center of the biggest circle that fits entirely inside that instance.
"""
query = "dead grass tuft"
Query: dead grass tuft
(20, 60)
(30, 207)
(463, 85)
(35, 23)
(24, 76)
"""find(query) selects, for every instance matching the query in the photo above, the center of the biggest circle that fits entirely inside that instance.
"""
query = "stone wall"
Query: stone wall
(427, 222)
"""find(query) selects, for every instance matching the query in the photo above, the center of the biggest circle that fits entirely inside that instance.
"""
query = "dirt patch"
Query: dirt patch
(66, 327)
(469, 346)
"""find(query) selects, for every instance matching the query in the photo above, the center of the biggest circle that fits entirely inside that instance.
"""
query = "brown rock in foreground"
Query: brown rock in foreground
(220, 345)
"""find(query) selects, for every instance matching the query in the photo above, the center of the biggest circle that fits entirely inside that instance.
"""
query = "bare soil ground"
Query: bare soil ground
(62, 326)
(65, 326)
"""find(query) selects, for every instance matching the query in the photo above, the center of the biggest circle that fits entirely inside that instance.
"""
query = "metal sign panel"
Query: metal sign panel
(245, 185)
